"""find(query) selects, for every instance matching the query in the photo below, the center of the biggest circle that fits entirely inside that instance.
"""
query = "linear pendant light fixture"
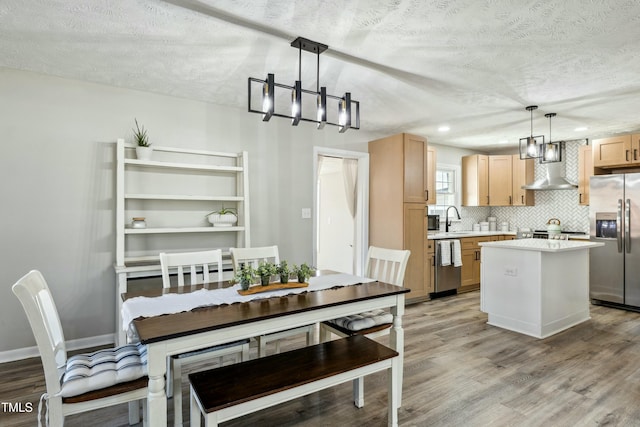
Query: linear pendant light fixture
(531, 146)
(347, 110)
(551, 151)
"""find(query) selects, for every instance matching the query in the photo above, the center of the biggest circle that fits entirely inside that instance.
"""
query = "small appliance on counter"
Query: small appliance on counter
(493, 221)
(433, 222)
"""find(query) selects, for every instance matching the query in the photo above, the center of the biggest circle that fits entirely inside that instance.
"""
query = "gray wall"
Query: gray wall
(58, 185)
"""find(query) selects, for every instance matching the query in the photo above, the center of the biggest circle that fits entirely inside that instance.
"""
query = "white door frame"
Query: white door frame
(361, 221)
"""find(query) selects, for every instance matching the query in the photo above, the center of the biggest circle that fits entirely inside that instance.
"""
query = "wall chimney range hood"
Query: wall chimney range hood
(554, 179)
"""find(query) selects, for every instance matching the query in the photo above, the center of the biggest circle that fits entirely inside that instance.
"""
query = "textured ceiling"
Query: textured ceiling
(414, 65)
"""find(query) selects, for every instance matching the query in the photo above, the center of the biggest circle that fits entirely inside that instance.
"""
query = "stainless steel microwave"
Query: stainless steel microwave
(433, 222)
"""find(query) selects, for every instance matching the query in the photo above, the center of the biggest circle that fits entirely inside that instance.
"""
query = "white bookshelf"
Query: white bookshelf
(174, 191)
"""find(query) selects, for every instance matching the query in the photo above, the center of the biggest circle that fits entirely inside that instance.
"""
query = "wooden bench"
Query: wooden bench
(235, 390)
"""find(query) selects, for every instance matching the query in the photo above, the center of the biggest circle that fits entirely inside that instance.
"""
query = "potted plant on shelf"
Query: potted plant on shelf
(225, 217)
(245, 276)
(303, 272)
(284, 272)
(265, 270)
(143, 148)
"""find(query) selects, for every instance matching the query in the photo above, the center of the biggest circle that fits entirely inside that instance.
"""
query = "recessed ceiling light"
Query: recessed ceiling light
(504, 141)
(581, 129)
(444, 128)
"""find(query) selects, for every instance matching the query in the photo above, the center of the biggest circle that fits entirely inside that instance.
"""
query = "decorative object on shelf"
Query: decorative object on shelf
(284, 272)
(346, 119)
(225, 217)
(138, 222)
(143, 148)
(302, 272)
(246, 275)
(531, 146)
(265, 270)
(551, 151)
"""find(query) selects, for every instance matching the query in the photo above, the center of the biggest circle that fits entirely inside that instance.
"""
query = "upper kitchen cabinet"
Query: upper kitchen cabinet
(475, 180)
(500, 181)
(431, 176)
(496, 180)
(415, 167)
(616, 151)
(522, 172)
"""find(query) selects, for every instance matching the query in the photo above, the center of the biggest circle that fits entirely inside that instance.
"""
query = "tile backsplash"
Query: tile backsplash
(560, 204)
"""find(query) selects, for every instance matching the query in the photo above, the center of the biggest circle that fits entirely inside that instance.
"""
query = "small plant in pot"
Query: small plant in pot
(143, 147)
(303, 272)
(245, 276)
(284, 272)
(225, 217)
(265, 270)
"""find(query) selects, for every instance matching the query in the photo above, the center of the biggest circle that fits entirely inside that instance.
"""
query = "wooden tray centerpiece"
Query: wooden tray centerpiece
(256, 289)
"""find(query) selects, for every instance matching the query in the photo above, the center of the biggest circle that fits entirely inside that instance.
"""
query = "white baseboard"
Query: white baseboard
(79, 344)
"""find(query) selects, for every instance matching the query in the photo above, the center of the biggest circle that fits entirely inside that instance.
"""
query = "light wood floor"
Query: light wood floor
(458, 372)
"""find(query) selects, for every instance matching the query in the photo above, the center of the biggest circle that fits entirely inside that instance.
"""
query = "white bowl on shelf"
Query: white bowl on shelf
(224, 220)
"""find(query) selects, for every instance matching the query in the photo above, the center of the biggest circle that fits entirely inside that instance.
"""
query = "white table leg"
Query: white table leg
(397, 341)
(156, 396)
(393, 392)
(194, 409)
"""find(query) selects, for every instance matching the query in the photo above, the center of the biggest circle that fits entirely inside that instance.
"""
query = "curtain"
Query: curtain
(350, 176)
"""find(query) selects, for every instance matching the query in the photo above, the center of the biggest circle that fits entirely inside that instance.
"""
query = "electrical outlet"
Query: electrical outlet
(306, 213)
(510, 271)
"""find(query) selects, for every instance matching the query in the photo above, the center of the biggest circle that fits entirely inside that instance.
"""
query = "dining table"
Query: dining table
(201, 327)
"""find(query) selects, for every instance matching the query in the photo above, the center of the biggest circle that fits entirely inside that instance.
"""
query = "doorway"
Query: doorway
(341, 210)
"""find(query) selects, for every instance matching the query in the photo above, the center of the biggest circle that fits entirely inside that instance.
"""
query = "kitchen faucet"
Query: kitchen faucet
(447, 223)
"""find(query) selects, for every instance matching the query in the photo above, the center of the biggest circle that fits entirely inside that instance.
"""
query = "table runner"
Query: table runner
(176, 303)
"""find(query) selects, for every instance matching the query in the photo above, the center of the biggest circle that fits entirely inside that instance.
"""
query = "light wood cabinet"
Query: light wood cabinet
(585, 171)
(470, 270)
(500, 181)
(431, 176)
(475, 180)
(397, 204)
(496, 180)
(523, 172)
(430, 265)
(415, 168)
(615, 151)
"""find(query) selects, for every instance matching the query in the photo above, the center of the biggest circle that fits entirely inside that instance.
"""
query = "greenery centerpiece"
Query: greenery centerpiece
(265, 270)
(284, 272)
(303, 272)
(141, 138)
(245, 275)
(224, 217)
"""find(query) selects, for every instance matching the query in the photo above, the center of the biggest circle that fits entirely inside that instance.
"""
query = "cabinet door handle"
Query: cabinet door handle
(522, 198)
(426, 194)
(635, 154)
(433, 261)
(579, 197)
(626, 155)
(487, 199)
(510, 202)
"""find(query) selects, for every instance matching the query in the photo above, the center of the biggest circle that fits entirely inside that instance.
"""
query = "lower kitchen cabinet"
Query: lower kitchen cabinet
(470, 273)
(430, 267)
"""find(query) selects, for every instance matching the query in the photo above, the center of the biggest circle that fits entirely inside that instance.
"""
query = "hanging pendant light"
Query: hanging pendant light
(348, 109)
(531, 146)
(551, 151)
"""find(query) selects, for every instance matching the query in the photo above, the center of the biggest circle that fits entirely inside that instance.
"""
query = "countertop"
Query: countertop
(469, 233)
(541, 245)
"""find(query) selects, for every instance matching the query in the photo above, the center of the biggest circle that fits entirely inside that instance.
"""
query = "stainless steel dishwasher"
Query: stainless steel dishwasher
(447, 278)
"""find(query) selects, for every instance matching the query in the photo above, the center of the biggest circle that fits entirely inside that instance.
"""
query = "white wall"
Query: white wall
(57, 185)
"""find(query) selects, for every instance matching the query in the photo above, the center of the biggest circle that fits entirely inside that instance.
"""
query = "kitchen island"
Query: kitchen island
(536, 287)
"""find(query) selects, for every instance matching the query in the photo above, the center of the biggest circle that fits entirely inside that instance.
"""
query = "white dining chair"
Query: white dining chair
(200, 267)
(83, 382)
(383, 265)
(253, 257)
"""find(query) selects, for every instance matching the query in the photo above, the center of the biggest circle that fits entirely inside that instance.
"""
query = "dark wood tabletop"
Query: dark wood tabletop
(158, 328)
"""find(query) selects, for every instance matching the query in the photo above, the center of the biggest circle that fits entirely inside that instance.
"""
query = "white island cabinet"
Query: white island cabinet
(536, 287)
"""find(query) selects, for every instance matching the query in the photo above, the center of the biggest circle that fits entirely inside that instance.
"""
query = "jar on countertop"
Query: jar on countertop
(138, 222)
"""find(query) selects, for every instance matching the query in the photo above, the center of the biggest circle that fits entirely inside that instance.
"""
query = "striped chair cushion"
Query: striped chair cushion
(368, 319)
(104, 368)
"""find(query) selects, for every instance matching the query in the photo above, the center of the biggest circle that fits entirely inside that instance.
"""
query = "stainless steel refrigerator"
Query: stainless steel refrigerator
(614, 219)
